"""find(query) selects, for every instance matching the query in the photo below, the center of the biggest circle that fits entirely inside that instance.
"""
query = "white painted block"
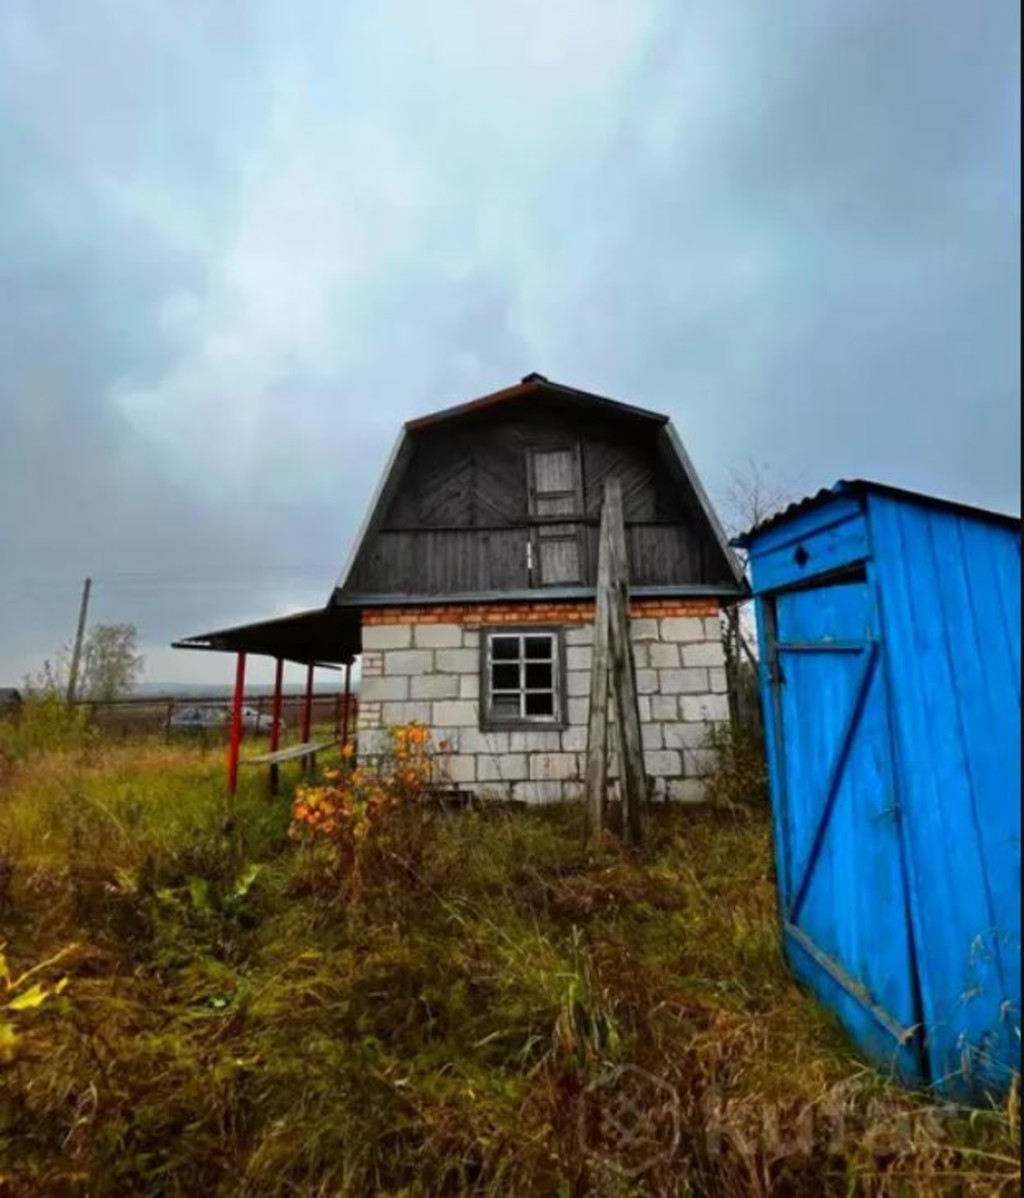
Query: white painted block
(707, 653)
(682, 629)
(664, 707)
(387, 636)
(474, 740)
(460, 767)
(578, 657)
(699, 763)
(665, 763)
(683, 682)
(647, 682)
(663, 655)
(577, 683)
(409, 661)
(434, 686)
(643, 629)
(651, 736)
(580, 634)
(458, 713)
(685, 736)
(530, 741)
(379, 689)
(707, 708)
(538, 792)
(506, 767)
(574, 739)
(406, 713)
(548, 766)
(457, 661)
(438, 636)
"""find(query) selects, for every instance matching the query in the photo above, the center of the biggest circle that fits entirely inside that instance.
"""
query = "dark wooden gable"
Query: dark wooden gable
(507, 499)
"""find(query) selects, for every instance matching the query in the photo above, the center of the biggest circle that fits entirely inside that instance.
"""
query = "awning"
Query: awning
(320, 636)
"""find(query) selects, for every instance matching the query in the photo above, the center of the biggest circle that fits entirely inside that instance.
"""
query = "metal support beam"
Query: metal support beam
(307, 712)
(275, 722)
(236, 724)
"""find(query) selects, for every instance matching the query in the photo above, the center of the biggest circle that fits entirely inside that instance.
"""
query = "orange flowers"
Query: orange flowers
(354, 803)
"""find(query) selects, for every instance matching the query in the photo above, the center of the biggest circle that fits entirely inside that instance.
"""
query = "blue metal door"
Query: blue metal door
(841, 873)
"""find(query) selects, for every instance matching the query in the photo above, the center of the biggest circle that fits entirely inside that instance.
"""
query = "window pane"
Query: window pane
(540, 646)
(506, 706)
(540, 704)
(504, 677)
(539, 676)
(505, 647)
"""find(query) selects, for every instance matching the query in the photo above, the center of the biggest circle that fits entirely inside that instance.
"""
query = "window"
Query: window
(522, 678)
(554, 477)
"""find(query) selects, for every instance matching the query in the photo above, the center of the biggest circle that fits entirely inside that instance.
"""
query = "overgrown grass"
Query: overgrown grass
(231, 1026)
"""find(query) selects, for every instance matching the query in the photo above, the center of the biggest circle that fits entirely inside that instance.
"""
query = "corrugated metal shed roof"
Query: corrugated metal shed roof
(862, 486)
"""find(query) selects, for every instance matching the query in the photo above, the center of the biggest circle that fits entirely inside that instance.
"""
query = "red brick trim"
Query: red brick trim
(532, 612)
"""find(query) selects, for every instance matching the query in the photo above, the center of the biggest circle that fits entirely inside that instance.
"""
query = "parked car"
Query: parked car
(257, 721)
(210, 716)
(199, 719)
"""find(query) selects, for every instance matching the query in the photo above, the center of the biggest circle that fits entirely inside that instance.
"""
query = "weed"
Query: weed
(497, 1014)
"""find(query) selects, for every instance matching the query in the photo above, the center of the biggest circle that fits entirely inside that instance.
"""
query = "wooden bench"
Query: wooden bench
(292, 753)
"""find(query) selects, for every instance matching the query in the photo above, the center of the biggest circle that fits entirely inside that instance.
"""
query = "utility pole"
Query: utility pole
(76, 653)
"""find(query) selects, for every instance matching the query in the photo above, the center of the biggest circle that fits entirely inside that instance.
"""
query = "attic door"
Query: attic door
(555, 492)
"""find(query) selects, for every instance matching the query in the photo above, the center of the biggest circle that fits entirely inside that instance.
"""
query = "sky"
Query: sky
(241, 242)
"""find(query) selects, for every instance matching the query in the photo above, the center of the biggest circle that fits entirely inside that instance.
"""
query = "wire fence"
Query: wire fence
(208, 718)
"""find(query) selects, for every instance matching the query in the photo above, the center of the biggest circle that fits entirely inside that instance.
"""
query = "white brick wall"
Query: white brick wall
(430, 673)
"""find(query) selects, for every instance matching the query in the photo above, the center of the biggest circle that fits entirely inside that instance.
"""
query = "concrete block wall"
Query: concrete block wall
(427, 670)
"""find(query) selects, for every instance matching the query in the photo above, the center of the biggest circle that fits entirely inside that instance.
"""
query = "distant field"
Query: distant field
(493, 1012)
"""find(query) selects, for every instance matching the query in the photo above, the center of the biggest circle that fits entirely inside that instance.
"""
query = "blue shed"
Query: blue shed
(890, 672)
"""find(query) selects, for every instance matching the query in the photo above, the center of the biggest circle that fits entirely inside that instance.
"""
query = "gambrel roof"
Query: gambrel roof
(538, 390)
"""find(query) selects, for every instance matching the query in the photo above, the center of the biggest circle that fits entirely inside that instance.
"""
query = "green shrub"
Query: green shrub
(740, 775)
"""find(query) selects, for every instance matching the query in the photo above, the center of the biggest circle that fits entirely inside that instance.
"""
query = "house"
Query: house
(470, 592)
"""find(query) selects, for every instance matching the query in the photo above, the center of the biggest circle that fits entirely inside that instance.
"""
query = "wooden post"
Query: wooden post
(76, 652)
(236, 724)
(275, 722)
(347, 704)
(613, 669)
(596, 793)
(632, 778)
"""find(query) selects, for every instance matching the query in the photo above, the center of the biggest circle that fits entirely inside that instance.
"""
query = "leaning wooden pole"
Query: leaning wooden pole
(613, 674)
(596, 783)
(632, 778)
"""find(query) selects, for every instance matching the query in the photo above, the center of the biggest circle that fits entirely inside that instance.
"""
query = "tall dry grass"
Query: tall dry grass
(500, 1015)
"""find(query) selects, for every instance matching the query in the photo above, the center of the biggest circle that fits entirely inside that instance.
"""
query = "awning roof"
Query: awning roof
(320, 636)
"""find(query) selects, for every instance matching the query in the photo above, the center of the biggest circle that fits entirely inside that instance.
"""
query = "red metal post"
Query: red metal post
(275, 720)
(307, 708)
(236, 724)
(348, 701)
(307, 718)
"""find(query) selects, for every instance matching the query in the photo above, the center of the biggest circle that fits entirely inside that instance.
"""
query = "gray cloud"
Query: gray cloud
(239, 244)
